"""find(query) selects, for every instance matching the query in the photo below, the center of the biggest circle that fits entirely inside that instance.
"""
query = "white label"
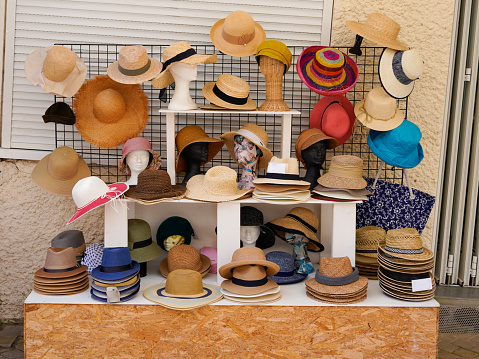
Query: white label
(112, 295)
(274, 167)
(419, 285)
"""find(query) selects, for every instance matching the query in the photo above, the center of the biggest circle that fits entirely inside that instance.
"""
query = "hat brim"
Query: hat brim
(237, 289)
(424, 256)
(354, 192)
(115, 74)
(375, 36)
(58, 293)
(332, 300)
(45, 181)
(295, 278)
(123, 290)
(377, 125)
(97, 274)
(197, 192)
(146, 254)
(388, 80)
(60, 281)
(347, 289)
(126, 283)
(278, 188)
(226, 271)
(50, 287)
(176, 191)
(370, 260)
(341, 195)
(114, 282)
(208, 93)
(205, 266)
(41, 273)
(156, 294)
(286, 224)
(333, 181)
(154, 201)
(124, 299)
(265, 180)
(214, 146)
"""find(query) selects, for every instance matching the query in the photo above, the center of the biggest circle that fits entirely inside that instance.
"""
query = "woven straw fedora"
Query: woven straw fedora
(185, 256)
(398, 70)
(255, 134)
(193, 134)
(135, 144)
(57, 70)
(142, 248)
(248, 256)
(155, 186)
(134, 66)
(60, 263)
(229, 91)
(380, 29)
(179, 52)
(378, 111)
(308, 138)
(248, 280)
(282, 171)
(405, 243)
(217, 185)
(237, 34)
(345, 171)
(276, 50)
(59, 171)
(367, 239)
(108, 113)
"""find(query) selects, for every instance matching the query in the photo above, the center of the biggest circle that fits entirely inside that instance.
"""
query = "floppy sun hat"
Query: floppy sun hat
(276, 50)
(237, 34)
(135, 144)
(229, 91)
(108, 113)
(326, 70)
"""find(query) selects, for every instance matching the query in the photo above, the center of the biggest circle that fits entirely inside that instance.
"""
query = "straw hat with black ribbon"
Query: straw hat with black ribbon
(249, 280)
(282, 171)
(367, 239)
(185, 257)
(345, 171)
(308, 138)
(405, 243)
(228, 92)
(155, 186)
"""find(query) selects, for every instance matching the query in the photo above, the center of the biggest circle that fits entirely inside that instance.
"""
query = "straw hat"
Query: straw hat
(367, 239)
(183, 290)
(237, 34)
(71, 238)
(309, 137)
(65, 290)
(185, 257)
(283, 171)
(60, 263)
(405, 243)
(229, 91)
(59, 171)
(142, 248)
(59, 112)
(247, 256)
(248, 280)
(134, 66)
(334, 115)
(255, 134)
(217, 185)
(286, 274)
(155, 186)
(378, 111)
(174, 226)
(193, 134)
(116, 264)
(180, 52)
(326, 70)
(352, 192)
(276, 50)
(57, 70)
(345, 171)
(380, 29)
(278, 188)
(398, 70)
(135, 144)
(109, 113)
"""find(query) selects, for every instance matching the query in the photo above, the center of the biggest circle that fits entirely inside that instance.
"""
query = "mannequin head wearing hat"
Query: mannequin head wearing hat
(314, 157)
(137, 161)
(183, 75)
(195, 153)
(247, 154)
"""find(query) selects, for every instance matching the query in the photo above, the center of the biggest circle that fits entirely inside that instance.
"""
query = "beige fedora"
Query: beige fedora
(367, 239)
(57, 70)
(248, 280)
(237, 34)
(248, 256)
(282, 171)
(185, 256)
(230, 92)
(134, 66)
(60, 263)
(345, 171)
(255, 134)
(405, 243)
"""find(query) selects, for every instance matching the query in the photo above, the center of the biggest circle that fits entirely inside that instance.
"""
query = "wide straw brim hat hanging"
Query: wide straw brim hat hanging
(229, 92)
(108, 113)
(344, 171)
(237, 35)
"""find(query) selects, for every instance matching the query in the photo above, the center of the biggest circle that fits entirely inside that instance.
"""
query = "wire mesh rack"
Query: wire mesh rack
(104, 162)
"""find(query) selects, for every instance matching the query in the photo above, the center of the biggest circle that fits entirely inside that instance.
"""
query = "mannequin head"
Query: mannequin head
(197, 152)
(137, 161)
(246, 152)
(249, 235)
(184, 72)
(315, 154)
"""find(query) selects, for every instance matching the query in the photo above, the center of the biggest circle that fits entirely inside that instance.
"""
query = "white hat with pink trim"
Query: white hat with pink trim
(91, 192)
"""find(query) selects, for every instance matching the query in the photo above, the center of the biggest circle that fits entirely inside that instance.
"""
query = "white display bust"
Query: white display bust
(137, 161)
(183, 75)
(249, 235)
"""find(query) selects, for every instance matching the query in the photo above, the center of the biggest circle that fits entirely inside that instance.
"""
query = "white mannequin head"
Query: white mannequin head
(137, 161)
(183, 75)
(249, 235)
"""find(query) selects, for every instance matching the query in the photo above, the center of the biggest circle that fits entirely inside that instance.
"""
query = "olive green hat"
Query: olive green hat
(276, 50)
(142, 248)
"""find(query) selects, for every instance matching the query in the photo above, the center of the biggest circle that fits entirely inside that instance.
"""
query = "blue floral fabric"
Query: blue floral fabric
(391, 207)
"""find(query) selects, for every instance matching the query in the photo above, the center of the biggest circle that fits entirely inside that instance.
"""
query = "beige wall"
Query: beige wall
(30, 218)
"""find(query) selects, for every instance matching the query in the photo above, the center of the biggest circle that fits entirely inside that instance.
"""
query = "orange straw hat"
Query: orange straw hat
(185, 256)
(237, 34)
(108, 113)
(247, 256)
(134, 66)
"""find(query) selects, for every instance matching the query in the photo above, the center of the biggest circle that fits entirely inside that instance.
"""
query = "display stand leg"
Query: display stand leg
(377, 175)
(170, 146)
(228, 237)
(116, 224)
(286, 136)
(143, 266)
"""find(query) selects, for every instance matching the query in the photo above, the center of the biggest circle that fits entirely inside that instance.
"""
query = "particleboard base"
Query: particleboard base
(146, 331)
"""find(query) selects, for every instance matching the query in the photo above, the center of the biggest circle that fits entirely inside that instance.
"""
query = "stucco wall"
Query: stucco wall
(30, 218)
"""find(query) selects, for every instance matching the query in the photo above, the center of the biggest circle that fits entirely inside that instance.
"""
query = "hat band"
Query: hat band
(347, 279)
(230, 99)
(370, 118)
(284, 274)
(142, 244)
(366, 251)
(336, 169)
(116, 269)
(398, 70)
(237, 40)
(60, 270)
(249, 283)
(252, 136)
(302, 221)
(135, 72)
(177, 58)
(403, 251)
(282, 176)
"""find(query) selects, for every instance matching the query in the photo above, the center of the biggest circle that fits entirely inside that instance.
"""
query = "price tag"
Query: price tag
(419, 285)
(274, 167)
(112, 295)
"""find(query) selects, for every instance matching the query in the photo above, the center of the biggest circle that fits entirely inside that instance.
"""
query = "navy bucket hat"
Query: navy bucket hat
(116, 264)
(286, 274)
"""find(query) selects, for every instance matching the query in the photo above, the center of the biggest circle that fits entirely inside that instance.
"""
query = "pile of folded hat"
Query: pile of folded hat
(61, 275)
(185, 256)
(117, 279)
(367, 239)
(337, 282)
(405, 266)
(247, 278)
(282, 184)
(344, 180)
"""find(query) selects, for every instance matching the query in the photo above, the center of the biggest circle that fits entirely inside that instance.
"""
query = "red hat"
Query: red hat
(334, 115)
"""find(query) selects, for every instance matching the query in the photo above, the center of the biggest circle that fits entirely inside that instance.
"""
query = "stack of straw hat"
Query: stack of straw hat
(185, 256)
(405, 266)
(367, 239)
(247, 278)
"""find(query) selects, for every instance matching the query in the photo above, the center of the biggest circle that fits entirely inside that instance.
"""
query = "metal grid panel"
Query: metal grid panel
(103, 162)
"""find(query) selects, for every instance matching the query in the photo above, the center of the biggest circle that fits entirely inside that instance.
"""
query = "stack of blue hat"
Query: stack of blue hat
(117, 279)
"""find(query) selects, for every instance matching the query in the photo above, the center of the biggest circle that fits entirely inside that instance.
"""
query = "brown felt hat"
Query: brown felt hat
(108, 113)
(62, 287)
(60, 263)
(155, 186)
(345, 171)
(405, 243)
(311, 136)
(248, 256)
(61, 281)
(70, 291)
(193, 134)
(185, 256)
(367, 239)
(248, 280)
(230, 92)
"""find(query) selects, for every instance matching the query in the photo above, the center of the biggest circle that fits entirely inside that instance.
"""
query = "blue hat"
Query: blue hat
(116, 264)
(286, 274)
(124, 299)
(399, 147)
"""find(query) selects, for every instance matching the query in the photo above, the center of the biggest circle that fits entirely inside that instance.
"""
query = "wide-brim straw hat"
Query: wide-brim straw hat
(282, 171)
(248, 280)
(345, 171)
(136, 144)
(180, 52)
(380, 29)
(61, 286)
(60, 263)
(353, 192)
(254, 300)
(289, 197)
(367, 239)
(194, 134)
(230, 92)
(59, 171)
(237, 34)
(248, 256)
(276, 50)
(309, 137)
(57, 70)
(185, 256)
(255, 134)
(134, 66)
(155, 185)
(108, 113)
(405, 243)
(142, 248)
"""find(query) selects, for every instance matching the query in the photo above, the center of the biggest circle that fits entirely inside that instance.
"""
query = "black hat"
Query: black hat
(59, 112)
(251, 216)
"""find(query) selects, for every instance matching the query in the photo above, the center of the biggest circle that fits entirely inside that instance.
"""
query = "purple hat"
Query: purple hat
(138, 143)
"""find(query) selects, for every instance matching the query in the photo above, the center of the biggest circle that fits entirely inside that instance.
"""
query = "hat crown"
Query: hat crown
(221, 180)
(184, 282)
(330, 58)
(335, 267)
(404, 139)
(248, 254)
(379, 104)
(383, 25)
(412, 64)
(403, 238)
(369, 236)
(283, 259)
(109, 106)
(335, 120)
(249, 272)
(63, 163)
(60, 258)
(306, 215)
(132, 57)
(115, 256)
(276, 50)
(174, 226)
(250, 216)
(188, 135)
(233, 86)
(290, 165)
(59, 63)
(184, 256)
(135, 143)
(239, 23)
(70, 238)
(153, 181)
(258, 131)
(88, 189)
(346, 166)
(175, 49)
(138, 230)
